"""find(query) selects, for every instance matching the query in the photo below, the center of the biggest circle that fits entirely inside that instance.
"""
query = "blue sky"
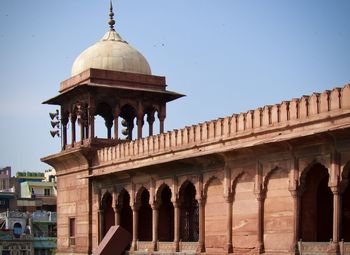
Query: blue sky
(227, 56)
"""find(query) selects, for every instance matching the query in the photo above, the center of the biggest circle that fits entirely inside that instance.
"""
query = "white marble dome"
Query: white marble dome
(111, 53)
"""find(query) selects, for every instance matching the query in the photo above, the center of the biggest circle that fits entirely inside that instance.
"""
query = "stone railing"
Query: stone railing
(313, 248)
(43, 216)
(13, 214)
(297, 111)
(344, 248)
(144, 246)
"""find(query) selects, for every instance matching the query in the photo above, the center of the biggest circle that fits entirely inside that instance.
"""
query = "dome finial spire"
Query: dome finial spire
(111, 21)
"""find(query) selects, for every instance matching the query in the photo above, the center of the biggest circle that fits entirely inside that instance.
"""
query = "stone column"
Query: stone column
(161, 117)
(139, 119)
(73, 119)
(109, 124)
(64, 122)
(201, 211)
(150, 120)
(296, 218)
(334, 245)
(154, 226)
(116, 215)
(228, 199)
(81, 125)
(101, 225)
(334, 178)
(260, 196)
(139, 126)
(176, 226)
(135, 219)
(161, 124)
(295, 193)
(116, 122)
(91, 122)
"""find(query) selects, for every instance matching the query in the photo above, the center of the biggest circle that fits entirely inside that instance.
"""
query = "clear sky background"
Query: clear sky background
(227, 56)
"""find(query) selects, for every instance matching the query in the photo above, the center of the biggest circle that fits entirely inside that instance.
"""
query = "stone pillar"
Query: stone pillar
(295, 193)
(73, 119)
(161, 124)
(296, 218)
(228, 199)
(176, 226)
(154, 226)
(139, 119)
(135, 219)
(116, 122)
(334, 178)
(64, 121)
(101, 225)
(334, 245)
(150, 120)
(201, 211)
(91, 122)
(109, 124)
(139, 125)
(161, 117)
(260, 196)
(81, 125)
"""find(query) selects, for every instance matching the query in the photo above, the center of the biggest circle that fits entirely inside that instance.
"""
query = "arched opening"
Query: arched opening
(166, 215)
(125, 211)
(316, 205)
(152, 121)
(108, 212)
(17, 229)
(145, 217)
(346, 207)
(103, 121)
(189, 218)
(128, 114)
(156, 124)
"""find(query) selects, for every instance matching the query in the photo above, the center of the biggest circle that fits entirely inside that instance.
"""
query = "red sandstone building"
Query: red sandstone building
(271, 180)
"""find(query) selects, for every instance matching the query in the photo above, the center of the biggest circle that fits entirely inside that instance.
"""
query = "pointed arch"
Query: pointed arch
(235, 181)
(304, 171)
(270, 174)
(108, 212)
(144, 215)
(207, 183)
(316, 221)
(128, 112)
(244, 220)
(278, 210)
(215, 212)
(189, 217)
(104, 110)
(125, 210)
(165, 214)
(345, 230)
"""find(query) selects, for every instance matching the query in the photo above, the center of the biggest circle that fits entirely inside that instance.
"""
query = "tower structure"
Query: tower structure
(113, 80)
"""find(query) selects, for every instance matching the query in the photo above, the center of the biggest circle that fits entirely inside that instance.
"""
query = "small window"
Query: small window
(2, 202)
(71, 231)
(47, 192)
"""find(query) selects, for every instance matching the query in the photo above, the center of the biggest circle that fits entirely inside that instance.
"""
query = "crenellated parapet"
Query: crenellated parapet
(286, 116)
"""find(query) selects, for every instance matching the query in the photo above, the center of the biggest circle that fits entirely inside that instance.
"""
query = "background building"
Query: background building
(36, 191)
(28, 233)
